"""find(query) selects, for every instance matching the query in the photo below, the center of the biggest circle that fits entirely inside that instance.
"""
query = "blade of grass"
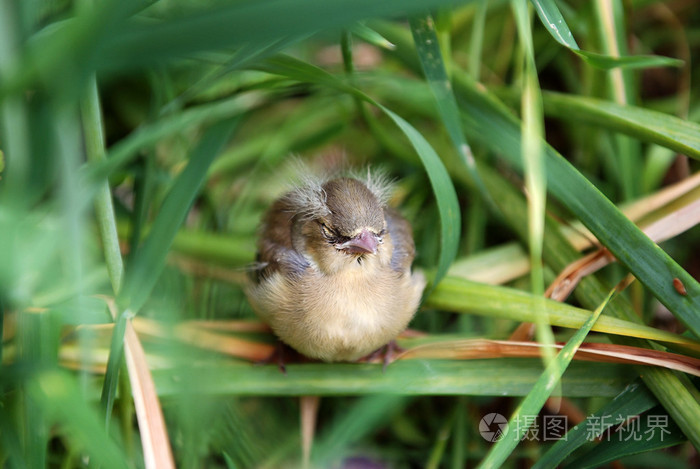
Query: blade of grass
(669, 131)
(245, 23)
(536, 398)
(95, 151)
(461, 295)
(432, 63)
(14, 123)
(532, 130)
(491, 377)
(554, 22)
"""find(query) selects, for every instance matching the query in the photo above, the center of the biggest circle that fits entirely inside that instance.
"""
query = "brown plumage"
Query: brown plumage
(334, 280)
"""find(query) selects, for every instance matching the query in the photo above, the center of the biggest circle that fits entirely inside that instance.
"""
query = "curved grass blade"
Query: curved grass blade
(634, 400)
(669, 131)
(444, 191)
(629, 62)
(371, 36)
(448, 206)
(554, 22)
(533, 402)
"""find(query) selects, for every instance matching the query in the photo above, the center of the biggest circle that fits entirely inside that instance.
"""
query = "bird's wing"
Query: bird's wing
(275, 250)
(402, 237)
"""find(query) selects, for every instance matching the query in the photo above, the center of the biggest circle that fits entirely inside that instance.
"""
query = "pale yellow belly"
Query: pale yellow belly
(343, 319)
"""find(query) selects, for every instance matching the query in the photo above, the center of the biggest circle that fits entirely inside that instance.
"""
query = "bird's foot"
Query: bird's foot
(281, 355)
(387, 353)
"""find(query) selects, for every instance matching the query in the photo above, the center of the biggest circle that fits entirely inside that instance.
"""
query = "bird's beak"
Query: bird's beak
(364, 243)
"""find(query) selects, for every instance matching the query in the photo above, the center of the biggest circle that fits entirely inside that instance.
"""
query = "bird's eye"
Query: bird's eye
(326, 232)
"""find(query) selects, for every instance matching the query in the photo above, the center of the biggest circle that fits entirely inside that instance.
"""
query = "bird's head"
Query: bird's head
(345, 227)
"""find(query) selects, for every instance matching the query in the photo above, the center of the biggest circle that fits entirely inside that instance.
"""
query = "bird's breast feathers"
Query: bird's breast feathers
(342, 316)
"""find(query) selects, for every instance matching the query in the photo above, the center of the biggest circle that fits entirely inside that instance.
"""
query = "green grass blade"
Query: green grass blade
(430, 56)
(554, 22)
(143, 273)
(114, 364)
(634, 400)
(95, 151)
(532, 155)
(493, 377)
(464, 296)
(534, 401)
(448, 206)
(669, 131)
(630, 62)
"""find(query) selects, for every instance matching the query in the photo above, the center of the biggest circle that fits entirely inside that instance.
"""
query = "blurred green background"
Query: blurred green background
(142, 141)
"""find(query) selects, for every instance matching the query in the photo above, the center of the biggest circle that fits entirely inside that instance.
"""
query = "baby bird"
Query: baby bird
(334, 280)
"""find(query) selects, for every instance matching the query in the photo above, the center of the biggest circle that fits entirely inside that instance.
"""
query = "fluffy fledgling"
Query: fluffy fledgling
(334, 279)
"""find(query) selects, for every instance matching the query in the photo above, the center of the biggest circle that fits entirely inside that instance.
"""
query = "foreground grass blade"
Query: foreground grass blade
(532, 155)
(553, 20)
(245, 23)
(448, 207)
(533, 402)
